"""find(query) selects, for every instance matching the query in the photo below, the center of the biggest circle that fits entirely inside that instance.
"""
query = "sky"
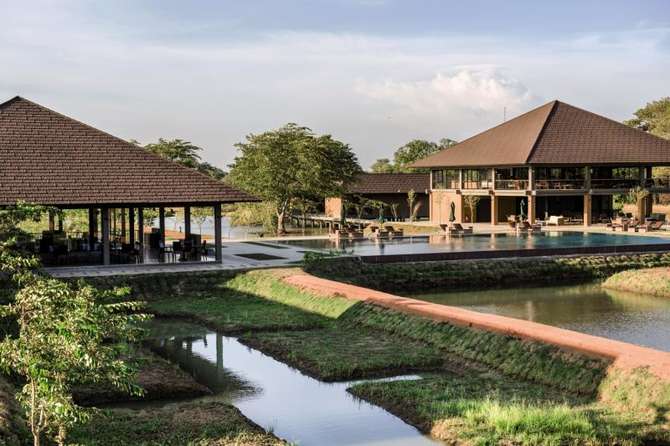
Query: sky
(375, 74)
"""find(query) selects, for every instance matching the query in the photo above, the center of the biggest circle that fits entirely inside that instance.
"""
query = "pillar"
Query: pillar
(494, 210)
(123, 225)
(587, 178)
(187, 222)
(131, 227)
(161, 225)
(217, 233)
(60, 221)
(52, 221)
(587, 209)
(532, 200)
(531, 184)
(92, 227)
(105, 236)
(140, 232)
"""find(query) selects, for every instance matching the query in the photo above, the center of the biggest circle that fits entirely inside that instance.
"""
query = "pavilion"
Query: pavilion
(50, 159)
(555, 160)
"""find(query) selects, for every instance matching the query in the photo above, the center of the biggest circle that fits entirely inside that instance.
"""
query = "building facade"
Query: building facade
(556, 160)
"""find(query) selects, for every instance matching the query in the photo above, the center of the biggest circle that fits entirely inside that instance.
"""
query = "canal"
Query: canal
(638, 319)
(280, 399)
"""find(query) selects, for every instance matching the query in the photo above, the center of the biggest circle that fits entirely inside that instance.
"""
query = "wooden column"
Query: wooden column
(140, 232)
(92, 227)
(587, 178)
(187, 222)
(52, 222)
(531, 179)
(60, 221)
(105, 236)
(161, 225)
(587, 209)
(123, 225)
(531, 208)
(131, 227)
(494, 210)
(217, 233)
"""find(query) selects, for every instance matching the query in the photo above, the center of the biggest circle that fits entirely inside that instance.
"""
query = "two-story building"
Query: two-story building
(554, 160)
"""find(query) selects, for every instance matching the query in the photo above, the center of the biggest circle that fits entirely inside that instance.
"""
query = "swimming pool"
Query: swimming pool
(436, 247)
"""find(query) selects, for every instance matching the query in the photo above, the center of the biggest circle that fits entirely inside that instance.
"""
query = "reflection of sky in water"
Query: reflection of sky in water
(638, 319)
(294, 406)
(477, 242)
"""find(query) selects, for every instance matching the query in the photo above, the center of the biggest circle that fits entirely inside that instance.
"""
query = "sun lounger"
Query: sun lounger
(531, 228)
(556, 220)
(458, 227)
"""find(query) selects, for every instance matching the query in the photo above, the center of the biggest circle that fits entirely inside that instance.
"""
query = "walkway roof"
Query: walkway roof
(555, 134)
(51, 159)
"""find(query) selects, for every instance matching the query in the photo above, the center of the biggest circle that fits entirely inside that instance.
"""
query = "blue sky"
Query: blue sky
(374, 73)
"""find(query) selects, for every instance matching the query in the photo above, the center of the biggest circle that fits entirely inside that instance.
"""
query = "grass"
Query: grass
(486, 410)
(340, 353)
(652, 281)
(480, 274)
(253, 301)
(195, 423)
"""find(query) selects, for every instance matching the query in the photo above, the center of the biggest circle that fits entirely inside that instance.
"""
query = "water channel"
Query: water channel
(279, 398)
(638, 319)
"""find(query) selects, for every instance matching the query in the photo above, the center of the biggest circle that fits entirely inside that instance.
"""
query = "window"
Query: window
(446, 179)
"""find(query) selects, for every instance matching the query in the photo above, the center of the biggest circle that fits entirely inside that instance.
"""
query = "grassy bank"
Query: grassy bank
(479, 274)
(196, 423)
(491, 411)
(652, 281)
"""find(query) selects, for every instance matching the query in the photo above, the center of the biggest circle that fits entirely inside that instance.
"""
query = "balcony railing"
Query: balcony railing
(486, 184)
(615, 183)
(512, 184)
(658, 182)
(559, 184)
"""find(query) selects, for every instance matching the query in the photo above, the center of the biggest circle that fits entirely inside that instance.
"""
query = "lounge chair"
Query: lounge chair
(652, 226)
(458, 227)
(556, 220)
(531, 228)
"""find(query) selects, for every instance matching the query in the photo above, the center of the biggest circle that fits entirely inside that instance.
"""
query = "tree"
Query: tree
(68, 335)
(200, 215)
(14, 260)
(411, 198)
(409, 153)
(292, 163)
(653, 118)
(471, 202)
(382, 165)
(180, 151)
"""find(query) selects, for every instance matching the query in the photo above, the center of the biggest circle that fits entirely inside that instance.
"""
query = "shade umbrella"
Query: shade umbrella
(521, 211)
(452, 213)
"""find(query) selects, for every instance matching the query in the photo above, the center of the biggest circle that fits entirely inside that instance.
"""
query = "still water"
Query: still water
(634, 318)
(279, 398)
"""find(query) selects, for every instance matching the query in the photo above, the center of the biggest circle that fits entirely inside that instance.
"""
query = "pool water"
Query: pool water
(293, 406)
(638, 319)
(477, 242)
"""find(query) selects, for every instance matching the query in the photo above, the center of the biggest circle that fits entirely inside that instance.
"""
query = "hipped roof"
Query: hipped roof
(51, 159)
(555, 134)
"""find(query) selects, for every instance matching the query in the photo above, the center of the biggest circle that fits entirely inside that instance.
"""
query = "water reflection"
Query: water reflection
(294, 406)
(639, 319)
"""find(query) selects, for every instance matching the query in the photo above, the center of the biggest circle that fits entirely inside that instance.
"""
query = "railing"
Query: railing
(658, 182)
(512, 184)
(615, 183)
(486, 184)
(449, 184)
(559, 184)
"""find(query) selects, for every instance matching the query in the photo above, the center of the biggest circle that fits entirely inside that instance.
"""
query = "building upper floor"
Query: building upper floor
(555, 147)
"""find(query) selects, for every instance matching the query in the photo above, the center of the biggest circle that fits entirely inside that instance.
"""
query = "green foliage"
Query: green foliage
(480, 274)
(68, 335)
(479, 409)
(653, 118)
(292, 163)
(187, 423)
(471, 202)
(184, 153)
(409, 153)
(253, 214)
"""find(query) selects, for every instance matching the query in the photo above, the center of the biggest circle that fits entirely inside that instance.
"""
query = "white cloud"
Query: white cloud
(465, 90)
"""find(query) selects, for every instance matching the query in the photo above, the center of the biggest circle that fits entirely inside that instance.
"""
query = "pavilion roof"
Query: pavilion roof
(51, 159)
(555, 134)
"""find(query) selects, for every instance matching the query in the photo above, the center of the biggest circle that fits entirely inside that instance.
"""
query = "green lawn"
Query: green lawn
(340, 353)
(251, 302)
(196, 423)
(490, 411)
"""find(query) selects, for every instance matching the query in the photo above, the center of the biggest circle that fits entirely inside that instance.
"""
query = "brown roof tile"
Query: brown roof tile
(51, 159)
(555, 134)
(390, 183)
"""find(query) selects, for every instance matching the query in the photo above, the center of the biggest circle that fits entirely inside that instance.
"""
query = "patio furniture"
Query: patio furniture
(556, 220)
(459, 228)
(531, 228)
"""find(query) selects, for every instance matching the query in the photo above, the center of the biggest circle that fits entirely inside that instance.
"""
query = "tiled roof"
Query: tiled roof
(554, 134)
(50, 159)
(390, 183)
